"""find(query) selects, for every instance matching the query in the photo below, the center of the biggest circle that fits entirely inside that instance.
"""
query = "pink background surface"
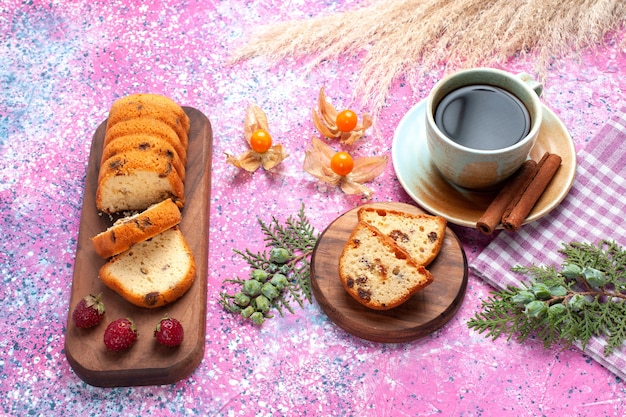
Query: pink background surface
(62, 65)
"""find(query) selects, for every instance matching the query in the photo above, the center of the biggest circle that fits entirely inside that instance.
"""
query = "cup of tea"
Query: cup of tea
(481, 124)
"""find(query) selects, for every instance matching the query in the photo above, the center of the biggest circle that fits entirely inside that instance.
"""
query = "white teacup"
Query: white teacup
(481, 125)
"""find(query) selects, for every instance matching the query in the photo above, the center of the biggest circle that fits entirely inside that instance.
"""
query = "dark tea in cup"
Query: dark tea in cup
(482, 117)
(481, 124)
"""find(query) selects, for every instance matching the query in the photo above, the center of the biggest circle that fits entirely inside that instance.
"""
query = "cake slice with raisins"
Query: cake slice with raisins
(136, 228)
(152, 273)
(421, 235)
(135, 180)
(378, 273)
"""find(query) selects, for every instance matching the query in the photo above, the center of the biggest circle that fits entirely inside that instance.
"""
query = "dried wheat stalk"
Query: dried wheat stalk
(406, 38)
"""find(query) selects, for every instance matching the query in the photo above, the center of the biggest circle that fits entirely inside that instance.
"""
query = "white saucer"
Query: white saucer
(422, 181)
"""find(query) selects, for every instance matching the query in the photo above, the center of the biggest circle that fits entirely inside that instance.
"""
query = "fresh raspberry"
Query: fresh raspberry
(120, 334)
(169, 332)
(89, 312)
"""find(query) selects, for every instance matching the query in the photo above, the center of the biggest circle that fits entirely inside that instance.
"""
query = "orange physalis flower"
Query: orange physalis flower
(318, 161)
(262, 152)
(334, 124)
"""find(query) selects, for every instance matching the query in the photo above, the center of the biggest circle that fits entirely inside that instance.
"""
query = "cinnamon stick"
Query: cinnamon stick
(513, 188)
(515, 215)
(521, 191)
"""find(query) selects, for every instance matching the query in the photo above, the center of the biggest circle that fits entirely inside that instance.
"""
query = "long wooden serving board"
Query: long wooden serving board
(421, 315)
(146, 363)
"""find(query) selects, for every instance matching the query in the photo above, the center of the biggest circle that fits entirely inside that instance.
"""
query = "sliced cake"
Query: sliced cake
(135, 180)
(157, 99)
(148, 126)
(378, 273)
(147, 143)
(421, 235)
(130, 230)
(153, 106)
(152, 273)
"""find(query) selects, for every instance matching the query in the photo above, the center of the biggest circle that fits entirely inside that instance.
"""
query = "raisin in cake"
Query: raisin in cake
(421, 235)
(376, 272)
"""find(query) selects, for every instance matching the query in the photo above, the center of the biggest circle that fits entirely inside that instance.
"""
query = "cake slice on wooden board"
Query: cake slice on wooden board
(135, 180)
(156, 99)
(421, 235)
(153, 106)
(145, 142)
(152, 273)
(378, 273)
(147, 126)
(130, 230)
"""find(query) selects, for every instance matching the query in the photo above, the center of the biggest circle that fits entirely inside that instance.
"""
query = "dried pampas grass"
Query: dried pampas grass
(406, 38)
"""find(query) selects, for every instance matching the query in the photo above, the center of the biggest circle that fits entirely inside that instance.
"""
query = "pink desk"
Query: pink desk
(64, 63)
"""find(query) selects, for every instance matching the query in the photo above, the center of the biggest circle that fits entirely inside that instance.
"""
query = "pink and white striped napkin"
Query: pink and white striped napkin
(595, 209)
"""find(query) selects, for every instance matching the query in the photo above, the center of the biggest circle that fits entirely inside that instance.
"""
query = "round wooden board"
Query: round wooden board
(421, 315)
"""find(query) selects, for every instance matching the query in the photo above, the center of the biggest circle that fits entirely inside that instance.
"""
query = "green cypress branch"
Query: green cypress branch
(584, 298)
(280, 275)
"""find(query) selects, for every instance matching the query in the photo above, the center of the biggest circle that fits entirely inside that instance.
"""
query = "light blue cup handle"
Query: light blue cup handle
(535, 85)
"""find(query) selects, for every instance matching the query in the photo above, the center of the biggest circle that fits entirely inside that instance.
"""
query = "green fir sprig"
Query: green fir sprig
(280, 275)
(585, 297)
